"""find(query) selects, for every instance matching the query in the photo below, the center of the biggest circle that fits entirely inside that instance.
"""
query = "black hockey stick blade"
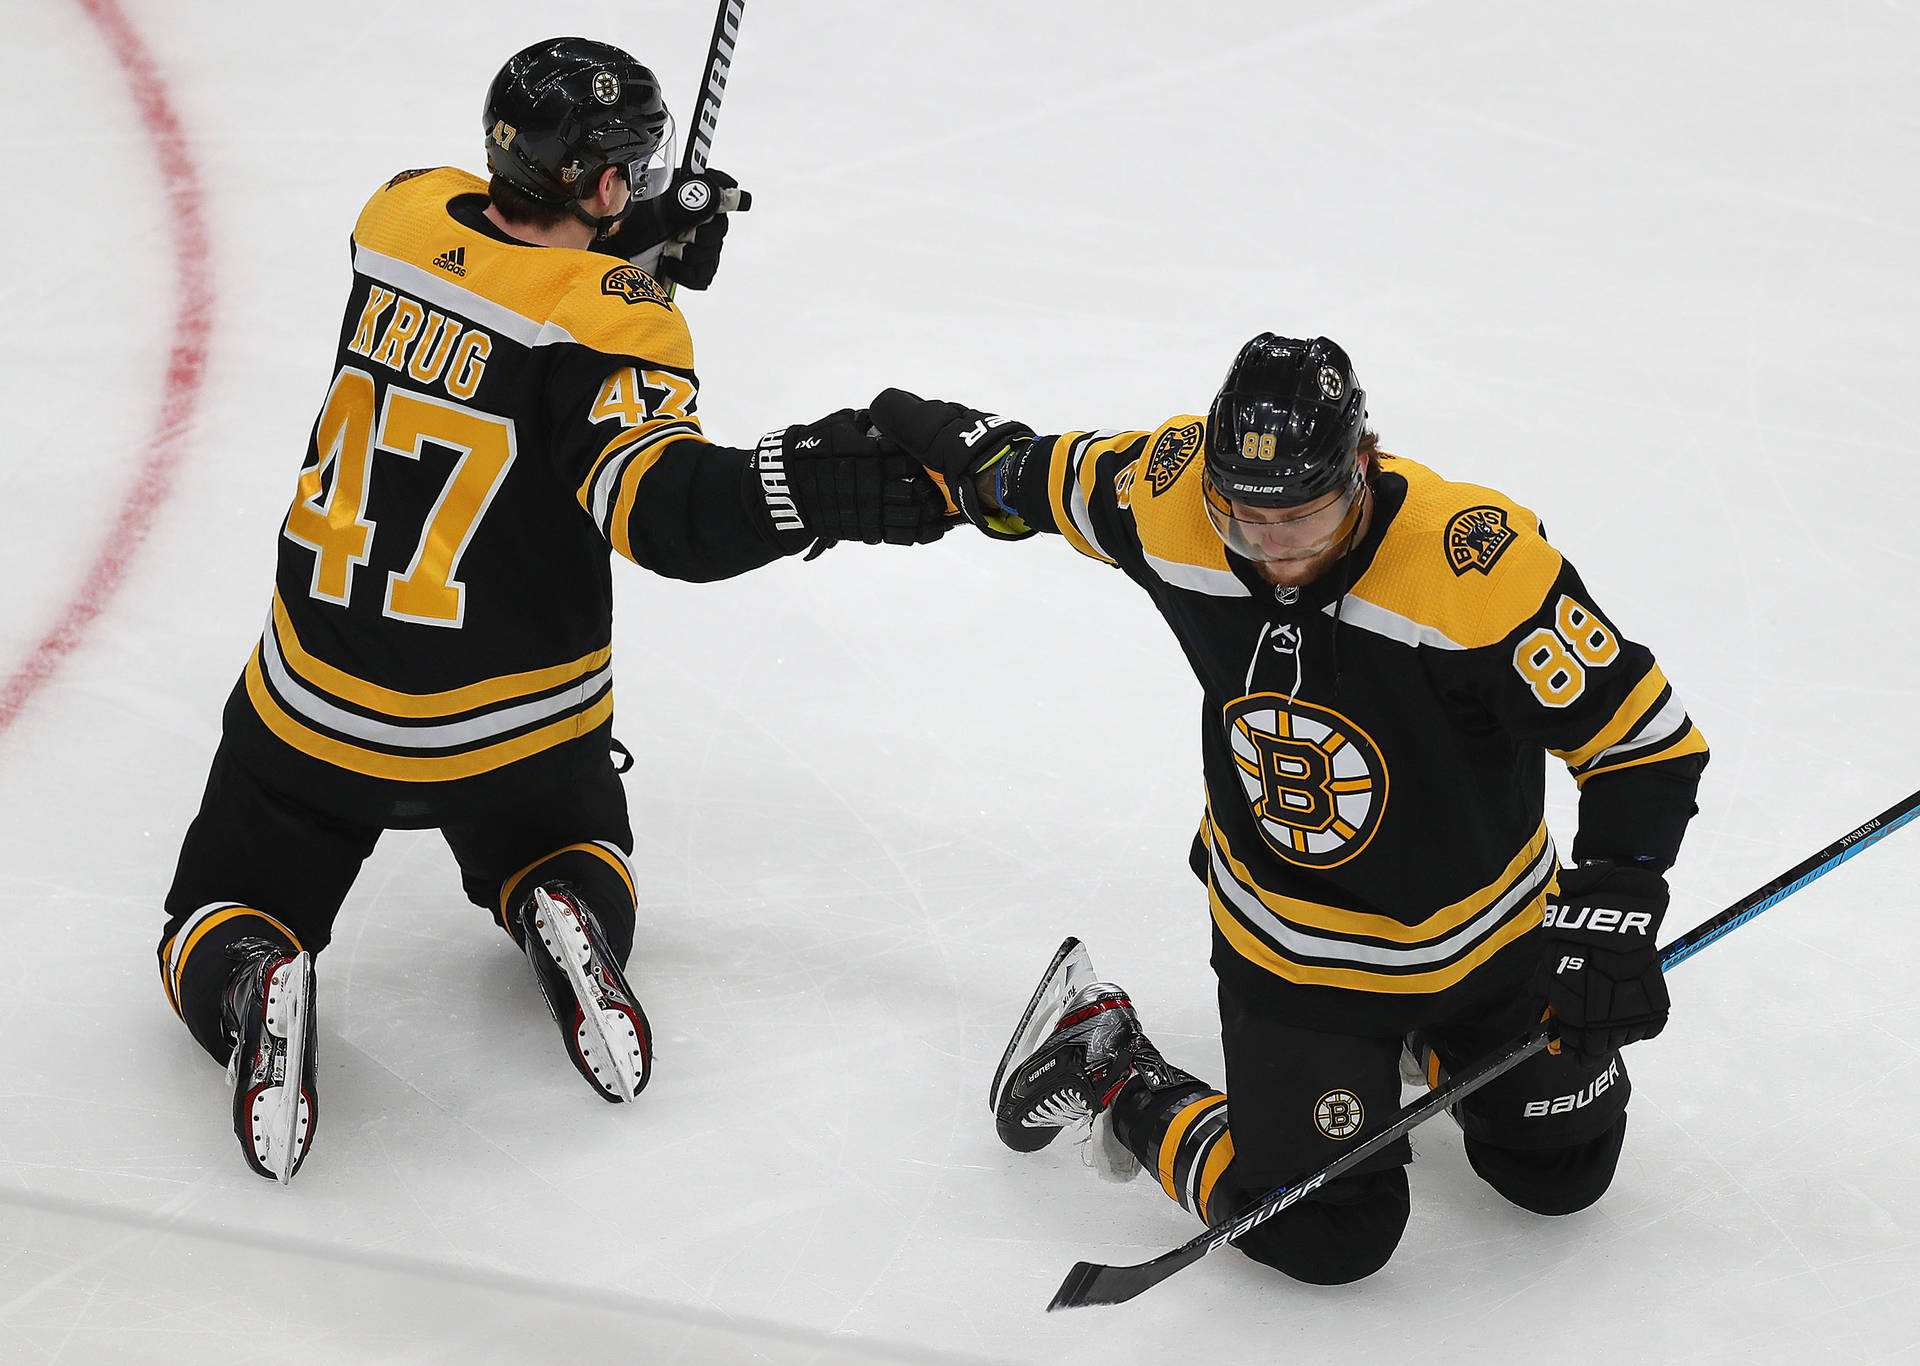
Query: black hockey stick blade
(1092, 1283)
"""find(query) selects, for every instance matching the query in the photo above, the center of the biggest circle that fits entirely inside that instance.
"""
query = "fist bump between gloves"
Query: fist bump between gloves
(957, 444)
(830, 481)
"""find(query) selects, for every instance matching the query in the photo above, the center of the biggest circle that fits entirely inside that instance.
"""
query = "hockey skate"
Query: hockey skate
(1077, 1044)
(600, 1019)
(269, 1009)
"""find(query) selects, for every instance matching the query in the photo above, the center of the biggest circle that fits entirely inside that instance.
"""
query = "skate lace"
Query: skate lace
(1058, 1110)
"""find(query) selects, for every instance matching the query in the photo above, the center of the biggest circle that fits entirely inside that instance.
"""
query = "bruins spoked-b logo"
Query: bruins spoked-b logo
(634, 285)
(1171, 454)
(1476, 538)
(1315, 781)
(1338, 1114)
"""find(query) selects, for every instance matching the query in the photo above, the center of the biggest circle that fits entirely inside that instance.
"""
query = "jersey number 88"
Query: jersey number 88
(1554, 661)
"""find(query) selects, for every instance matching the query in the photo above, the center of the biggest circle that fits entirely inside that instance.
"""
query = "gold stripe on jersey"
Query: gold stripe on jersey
(599, 851)
(1167, 1160)
(600, 489)
(1068, 482)
(1168, 504)
(373, 763)
(196, 927)
(1258, 952)
(1649, 726)
(1630, 713)
(1250, 920)
(547, 294)
(1689, 741)
(490, 692)
(1421, 597)
(1350, 924)
(619, 521)
(1217, 1162)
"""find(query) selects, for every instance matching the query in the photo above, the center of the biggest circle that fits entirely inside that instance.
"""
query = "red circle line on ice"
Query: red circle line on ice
(164, 445)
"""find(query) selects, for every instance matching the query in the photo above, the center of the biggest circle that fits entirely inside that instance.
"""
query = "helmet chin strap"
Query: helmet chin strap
(603, 228)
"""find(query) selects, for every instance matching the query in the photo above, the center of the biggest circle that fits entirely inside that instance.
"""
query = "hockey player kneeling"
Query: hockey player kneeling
(508, 405)
(1386, 659)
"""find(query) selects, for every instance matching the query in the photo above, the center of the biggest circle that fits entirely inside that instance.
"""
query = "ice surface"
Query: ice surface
(1650, 268)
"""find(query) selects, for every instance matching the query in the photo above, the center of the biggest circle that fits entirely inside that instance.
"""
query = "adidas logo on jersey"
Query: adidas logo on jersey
(453, 260)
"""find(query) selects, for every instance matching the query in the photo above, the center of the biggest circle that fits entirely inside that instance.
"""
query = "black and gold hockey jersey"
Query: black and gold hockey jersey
(1374, 844)
(499, 415)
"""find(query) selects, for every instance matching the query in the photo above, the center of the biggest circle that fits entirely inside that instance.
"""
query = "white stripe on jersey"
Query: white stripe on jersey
(1077, 499)
(608, 479)
(1294, 940)
(1219, 583)
(1369, 616)
(313, 707)
(1668, 722)
(178, 947)
(448, 294)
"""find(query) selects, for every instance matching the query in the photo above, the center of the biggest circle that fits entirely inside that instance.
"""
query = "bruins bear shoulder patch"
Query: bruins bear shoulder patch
(1172, 452)
(635, 286)
(1477, 538)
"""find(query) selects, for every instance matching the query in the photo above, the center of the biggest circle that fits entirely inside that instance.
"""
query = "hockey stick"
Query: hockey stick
(713, 84)
(1092, 1283)
(726, 31)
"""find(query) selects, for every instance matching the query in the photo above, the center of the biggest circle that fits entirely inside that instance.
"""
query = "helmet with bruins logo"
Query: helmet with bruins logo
(1285, 428)
(563, 110)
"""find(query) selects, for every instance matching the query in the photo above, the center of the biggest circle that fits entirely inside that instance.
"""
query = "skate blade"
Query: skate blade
(607, 1037)
(1070, 970)
(281, 1114)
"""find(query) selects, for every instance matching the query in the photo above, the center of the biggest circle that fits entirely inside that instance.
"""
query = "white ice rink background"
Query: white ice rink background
(1649, 268)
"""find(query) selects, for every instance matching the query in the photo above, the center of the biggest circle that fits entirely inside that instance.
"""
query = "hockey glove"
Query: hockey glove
(831, 481)
(957, 445)
(677, 235)
(1600, 969)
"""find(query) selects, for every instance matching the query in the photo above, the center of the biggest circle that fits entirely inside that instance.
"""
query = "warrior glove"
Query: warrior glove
(831, 481)
(1600, 969)
(676, 236)
(957, 445)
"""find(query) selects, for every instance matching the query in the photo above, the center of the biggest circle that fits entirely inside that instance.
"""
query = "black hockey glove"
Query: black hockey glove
(1600, 968)
(831, 481)
(677, 235)
(956, 444)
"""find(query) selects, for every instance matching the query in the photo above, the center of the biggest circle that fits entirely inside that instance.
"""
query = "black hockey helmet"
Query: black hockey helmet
(563, 110)
(1285, 428)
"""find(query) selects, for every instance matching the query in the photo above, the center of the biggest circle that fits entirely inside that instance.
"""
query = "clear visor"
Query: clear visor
(651, 176)
(1282, 534)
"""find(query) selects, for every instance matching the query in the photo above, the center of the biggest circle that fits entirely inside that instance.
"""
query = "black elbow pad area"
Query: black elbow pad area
(1639, 815)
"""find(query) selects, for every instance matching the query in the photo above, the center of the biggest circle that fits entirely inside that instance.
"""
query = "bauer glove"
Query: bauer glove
(677, 235)
(957, 445)
(830, 481)
(1600, 969)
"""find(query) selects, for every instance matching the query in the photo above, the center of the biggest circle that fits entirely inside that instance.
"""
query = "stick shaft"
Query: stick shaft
(1092, 1283)
(1791, 881)
(713, 84)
